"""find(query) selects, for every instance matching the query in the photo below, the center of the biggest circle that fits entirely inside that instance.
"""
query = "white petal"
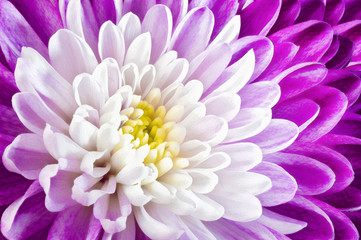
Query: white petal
(146, 80)
(214, 162)
(260, 94)
(83, 132)
(107, 74)
(87, 91)
(139, 51)
(130, 27)
(92, 164)
(111, 43)
(203, 180)
(161, 194)
(229, 32)
(108, 137)
(130, 75)
(177, 178)
(136, 195)
(194, 150)
(70, 55)
(248, 122)
(225, 105)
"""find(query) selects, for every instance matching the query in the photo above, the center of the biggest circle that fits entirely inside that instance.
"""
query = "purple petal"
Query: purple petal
(332, 50)
(334, 11)
(313, 37)
(333, 104)
(300, 78)
(352, 11)
(300, 111)
(107, 10)
(27, 155)
(283, 55)
(351, 30)
(348, 199)
(7, 85)
(16, 33)
(343, 55)
(42, 15)
(284, 186)
(346, 82)
(138, 7)
(27, 215)
(266, 13)
(9, 122)
(177, 7)
(340, 166)
(194, 30)
(290, 10)
(75, 223)
(312, 176)
(319, 225)
(344, 228)
(355, 218)
(263, 50)
(311, 10)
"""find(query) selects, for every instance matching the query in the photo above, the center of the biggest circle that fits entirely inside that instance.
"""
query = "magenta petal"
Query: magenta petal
(75, 223)
(311, 10)
(348, 199)
(319, 225)
(344, 228)
(313, 37)
(42, 15)
(284, 186)
(138, 7)
(352, 11)
(334, 11)
(300, 111)
(266, 13)
(355, 218)
(290, 10)
(27, 215)
(16, 33)
(343, 55)
(9, 122)
(312, 176)
(346, 82)
(283, 55)
(7, 85)
(263, 51)
(349, 125)
(351, 30)
(332, 50)
(300, 78)
(340, 166)
(333, 104)
(106, 10)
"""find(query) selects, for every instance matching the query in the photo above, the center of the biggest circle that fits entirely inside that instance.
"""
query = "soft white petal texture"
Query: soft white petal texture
(111, 43)
(195, 229)
(139, 51)
(107, 74)
(244, 156)
(34, 74)
(248, 123)
(229, 32)
(130, 27)
(224, 105)
(85, 88)
(260, 95)
(70, 55)
(158, 22)
(194, 30)
(203, 181)
(152, 227)
(281, 223)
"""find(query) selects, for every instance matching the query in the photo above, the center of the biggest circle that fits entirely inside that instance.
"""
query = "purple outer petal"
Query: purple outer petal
(290, 10)
(319, 224)
(27, 215)
(266, 13)
(177, 7)
(42, 16)
(333, 104)
(348, 199)
(332, 50)
(75, 223)
(344, 228)
(336, 161)
(343, 55)
(16, 33)
(313, 37)
(138, 7)
(352, 11)
(352, 30)
(106, 10)
(311, 10)
(9, 122)
(334, 11)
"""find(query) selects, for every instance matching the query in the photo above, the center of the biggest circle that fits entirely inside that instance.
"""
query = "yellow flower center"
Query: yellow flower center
(150, 123)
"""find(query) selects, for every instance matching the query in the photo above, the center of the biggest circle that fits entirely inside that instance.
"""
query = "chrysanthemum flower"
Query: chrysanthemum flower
(154, 121)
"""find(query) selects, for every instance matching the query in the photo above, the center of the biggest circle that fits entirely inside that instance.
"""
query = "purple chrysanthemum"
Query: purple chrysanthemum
(153, 120)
